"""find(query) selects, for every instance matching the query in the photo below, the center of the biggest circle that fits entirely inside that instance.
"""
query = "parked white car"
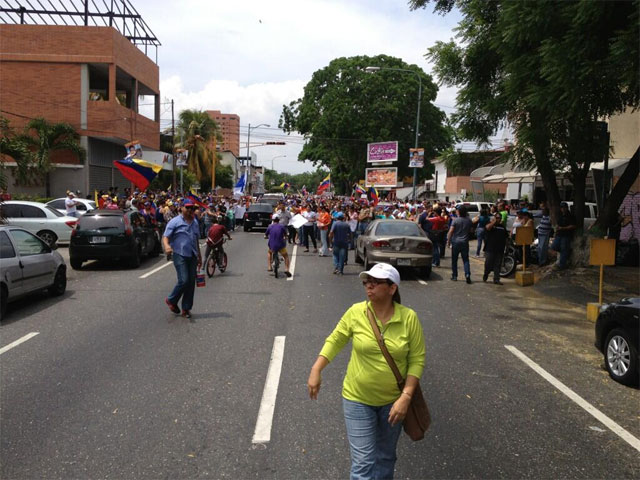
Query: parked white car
(82, 207)
(28, 264)
(46, 222)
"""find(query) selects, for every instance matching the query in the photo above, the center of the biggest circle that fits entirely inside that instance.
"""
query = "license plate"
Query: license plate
(97, 239)
(258, 224)
(404, 262)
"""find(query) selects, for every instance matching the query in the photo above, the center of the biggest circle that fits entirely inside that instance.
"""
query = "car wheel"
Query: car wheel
(48, 236)
(156, 249)
(135, 259)
(621, 357)
(76, 263)
(4, 296)
(59, 283)
(366, 262)
(357, 257)
(247, 229)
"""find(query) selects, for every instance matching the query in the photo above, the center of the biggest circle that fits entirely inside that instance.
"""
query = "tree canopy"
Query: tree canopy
(344, 108)
(551, 68)
(195, 130)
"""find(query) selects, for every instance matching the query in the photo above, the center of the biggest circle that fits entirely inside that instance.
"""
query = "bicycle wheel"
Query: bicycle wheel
(276, 264)
(211, 266)
(222, 262)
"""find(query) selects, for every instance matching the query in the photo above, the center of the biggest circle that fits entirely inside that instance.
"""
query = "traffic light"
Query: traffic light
(275, 143)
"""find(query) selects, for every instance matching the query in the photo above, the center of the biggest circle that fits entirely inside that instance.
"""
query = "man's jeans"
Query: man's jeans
(460, 248)
(372, 440)
(186, 268)
(543, 249)
(339, 257)
(324, 249)
(562, 245)
(480, 236)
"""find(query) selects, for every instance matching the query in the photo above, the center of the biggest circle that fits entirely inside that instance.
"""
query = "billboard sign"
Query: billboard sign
(382, 152)
(381, 177)
(416, 158)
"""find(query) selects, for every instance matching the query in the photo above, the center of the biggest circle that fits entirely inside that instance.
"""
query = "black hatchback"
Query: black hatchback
(617, 337)
(257, 215)
(113, 235)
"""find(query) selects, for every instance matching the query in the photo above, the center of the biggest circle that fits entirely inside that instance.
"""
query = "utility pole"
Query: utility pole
(213, 164)
(173, 147)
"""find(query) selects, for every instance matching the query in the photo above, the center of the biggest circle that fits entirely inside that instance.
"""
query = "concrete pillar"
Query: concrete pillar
(84, 94)
(156, 108)
(112, 82)
(134, 95)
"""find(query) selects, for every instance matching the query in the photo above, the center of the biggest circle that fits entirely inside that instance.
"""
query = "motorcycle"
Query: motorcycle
(513, 256)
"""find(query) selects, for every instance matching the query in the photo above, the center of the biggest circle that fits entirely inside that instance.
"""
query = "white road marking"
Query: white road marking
(422, 282)
(148, 274)
(597, 414)
(292, 263)
(262, 433)
(18, 342)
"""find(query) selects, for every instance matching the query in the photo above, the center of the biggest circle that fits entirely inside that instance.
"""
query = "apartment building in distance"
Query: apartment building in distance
(229, 124)
(92, 77)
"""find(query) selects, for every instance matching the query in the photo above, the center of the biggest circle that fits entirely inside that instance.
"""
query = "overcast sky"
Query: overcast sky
(251, 57)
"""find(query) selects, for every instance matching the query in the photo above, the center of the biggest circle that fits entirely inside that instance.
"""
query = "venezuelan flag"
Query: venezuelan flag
(196, 199)
(287, 186)
(373, 195)
(358, 189)
(139, 172)
(325, 184)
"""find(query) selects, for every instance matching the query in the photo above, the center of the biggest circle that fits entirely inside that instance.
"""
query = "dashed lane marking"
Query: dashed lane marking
(292, 266)
(597, 414)
(262, 433)
(422, 282)
(18, 342)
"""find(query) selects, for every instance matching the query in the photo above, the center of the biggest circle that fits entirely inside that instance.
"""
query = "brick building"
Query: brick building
(229, 123)
(91, 77)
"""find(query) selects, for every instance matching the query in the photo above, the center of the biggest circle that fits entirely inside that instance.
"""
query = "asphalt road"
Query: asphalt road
(115, 386)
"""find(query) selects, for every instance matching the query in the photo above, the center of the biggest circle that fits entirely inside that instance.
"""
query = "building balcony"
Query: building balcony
(108, 120)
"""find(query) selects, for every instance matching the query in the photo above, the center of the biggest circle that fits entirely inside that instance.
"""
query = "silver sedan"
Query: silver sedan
(400, 243)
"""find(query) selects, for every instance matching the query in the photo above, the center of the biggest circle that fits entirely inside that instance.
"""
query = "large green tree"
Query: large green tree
(551, 68)
(195, 131)
(344, 107)
(13, 146)
(43, 138)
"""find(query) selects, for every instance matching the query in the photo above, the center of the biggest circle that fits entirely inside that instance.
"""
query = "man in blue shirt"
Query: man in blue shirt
(340, 235)
(180, 239)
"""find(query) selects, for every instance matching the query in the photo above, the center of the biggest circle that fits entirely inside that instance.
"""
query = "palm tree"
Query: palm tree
(12, 146)
(44, 138)
(195, 130)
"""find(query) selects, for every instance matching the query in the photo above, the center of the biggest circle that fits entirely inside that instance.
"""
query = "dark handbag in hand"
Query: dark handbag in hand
(418, 418)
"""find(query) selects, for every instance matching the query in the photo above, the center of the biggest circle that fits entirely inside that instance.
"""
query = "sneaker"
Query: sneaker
(498, 282)
(172, 307)
(335, 271)
(485, 277)
(186, 313)
(469, 280)
(340, 273)
(306, 250)
(454, 278)
(288, 274)
(315, 250)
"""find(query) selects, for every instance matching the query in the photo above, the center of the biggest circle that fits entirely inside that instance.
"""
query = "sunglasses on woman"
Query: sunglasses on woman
(373, 282)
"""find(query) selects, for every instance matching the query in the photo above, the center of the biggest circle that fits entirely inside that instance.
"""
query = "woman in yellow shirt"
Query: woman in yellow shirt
(374, 407)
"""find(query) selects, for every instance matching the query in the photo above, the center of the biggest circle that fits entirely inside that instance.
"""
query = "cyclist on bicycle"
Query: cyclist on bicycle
(214, 236)
(277, 235)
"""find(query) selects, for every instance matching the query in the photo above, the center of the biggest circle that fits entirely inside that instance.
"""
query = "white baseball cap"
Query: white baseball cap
(382, 271)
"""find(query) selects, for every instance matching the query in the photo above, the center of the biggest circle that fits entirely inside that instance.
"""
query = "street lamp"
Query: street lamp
(375, 69)
(249, 138)
(277, 156)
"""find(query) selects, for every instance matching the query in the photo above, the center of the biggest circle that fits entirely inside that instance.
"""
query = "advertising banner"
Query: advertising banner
(382, 152)
(381, 177)
(181, 157)
(416, 158)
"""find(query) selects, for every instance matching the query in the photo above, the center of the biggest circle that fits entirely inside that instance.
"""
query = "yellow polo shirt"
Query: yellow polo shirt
(369, 378)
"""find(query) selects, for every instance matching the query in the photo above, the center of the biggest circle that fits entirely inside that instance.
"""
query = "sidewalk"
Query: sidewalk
(580, 285)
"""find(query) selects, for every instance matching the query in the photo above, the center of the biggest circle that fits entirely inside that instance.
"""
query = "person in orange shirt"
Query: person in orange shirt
(323, 223)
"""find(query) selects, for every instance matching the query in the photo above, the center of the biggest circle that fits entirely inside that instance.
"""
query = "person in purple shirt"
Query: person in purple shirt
(277, 243)
(180, 240)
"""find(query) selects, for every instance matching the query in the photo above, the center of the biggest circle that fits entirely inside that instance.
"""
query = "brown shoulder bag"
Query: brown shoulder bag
(418, 418)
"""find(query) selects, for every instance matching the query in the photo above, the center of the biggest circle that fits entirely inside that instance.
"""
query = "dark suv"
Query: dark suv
(257, 215)
(113, 235)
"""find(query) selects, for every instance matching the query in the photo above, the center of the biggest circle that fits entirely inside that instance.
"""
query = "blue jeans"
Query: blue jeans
(460, 248)
(372, 440)
(480, 236)
(186, 268)
(562, 245)
(339, 257)
(543, 247)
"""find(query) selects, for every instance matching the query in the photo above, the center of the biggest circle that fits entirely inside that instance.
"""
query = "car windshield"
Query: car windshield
(399, 228)
(260, 208)
(54, 211)
(101, 222)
